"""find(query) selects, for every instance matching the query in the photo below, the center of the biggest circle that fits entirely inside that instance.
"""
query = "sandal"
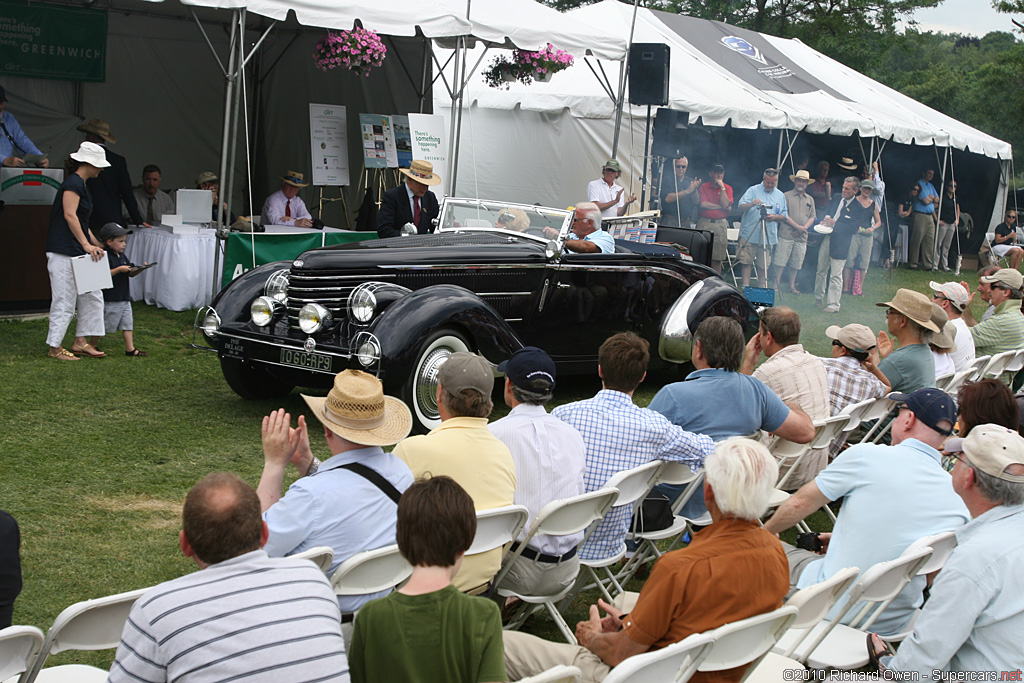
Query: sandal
(874, 656)
(63, 354)
(89, 350)
(794, 290)
(135, 352)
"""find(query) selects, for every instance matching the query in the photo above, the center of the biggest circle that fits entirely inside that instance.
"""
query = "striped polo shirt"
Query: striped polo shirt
(251, 618)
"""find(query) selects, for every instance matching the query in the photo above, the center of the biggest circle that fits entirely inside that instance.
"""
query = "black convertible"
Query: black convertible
(490, 279)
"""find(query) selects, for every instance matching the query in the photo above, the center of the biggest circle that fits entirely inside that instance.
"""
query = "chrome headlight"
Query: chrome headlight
(313, 318)
(362, 303)
(263, 310)
(277, 286)
(211, 323)
(368, 353)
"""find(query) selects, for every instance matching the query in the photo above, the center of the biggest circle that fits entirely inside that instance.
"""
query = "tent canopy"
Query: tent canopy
(723, 75)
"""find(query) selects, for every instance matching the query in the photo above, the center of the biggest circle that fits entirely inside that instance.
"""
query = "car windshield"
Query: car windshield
(458, 215)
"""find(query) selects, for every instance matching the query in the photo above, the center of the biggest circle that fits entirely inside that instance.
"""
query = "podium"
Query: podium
(28, 195)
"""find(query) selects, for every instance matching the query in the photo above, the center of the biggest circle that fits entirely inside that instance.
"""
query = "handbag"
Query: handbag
(654, 513)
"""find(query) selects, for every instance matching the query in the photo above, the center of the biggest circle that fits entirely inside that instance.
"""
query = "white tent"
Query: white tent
(720, 74)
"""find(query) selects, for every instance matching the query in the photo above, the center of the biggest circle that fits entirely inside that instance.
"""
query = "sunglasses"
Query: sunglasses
(771, 171)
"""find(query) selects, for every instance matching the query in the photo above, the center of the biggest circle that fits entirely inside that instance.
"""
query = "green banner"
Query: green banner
(46, 41)
(270, 247)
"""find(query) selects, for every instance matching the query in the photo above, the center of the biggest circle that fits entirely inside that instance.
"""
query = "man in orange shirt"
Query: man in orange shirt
(732, 570)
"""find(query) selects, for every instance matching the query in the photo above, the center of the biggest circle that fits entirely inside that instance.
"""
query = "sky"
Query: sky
(976, 17)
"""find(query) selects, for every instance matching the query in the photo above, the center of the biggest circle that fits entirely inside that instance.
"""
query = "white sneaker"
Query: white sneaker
(831, 309)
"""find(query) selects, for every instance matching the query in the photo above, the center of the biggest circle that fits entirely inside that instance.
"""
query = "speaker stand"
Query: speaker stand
(643, 174)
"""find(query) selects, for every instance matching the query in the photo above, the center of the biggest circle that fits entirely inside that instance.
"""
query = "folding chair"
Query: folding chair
(857, 414)
(732, 245)
(998, 364)
(942, 546)
(878, 413)
(557, 674)
(812, 604)
(836, 645)
(322, 556)
(632, 486)
(747, 641)
(824, 431)
(88, 625)
(557, 518)
(1001, 261)
(18, 648)
(371, 571)
(952, 385)
(978, 366)
(675, 663)
(496, 527)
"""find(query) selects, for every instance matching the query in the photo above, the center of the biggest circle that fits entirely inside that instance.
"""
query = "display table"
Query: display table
(247, 250)
(28, 195)
(183, 277)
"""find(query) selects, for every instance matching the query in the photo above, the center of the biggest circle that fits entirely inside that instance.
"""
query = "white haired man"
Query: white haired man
(587, 237)
(741, 566)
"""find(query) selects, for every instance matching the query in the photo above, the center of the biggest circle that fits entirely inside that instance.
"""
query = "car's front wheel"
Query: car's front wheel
(420, 390)
(252, 382)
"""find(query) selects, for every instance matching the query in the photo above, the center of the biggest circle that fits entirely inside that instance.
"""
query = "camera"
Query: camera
(764, 211)
(809, 541)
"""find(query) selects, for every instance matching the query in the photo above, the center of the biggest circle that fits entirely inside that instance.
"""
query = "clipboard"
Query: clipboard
(138, 269)
(91, 275)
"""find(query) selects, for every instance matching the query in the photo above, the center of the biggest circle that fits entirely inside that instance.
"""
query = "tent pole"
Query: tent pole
(622, 83)
(778, 155)
(455, 110)
(228, 96)
(240, 65)
(427, 50)
(938, 209)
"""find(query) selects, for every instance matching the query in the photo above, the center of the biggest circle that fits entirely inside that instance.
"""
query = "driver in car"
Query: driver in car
(586, 237)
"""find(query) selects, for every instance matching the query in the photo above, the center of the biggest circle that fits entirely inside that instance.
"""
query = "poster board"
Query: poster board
(378, 138)
(428, 144)
(328, 144)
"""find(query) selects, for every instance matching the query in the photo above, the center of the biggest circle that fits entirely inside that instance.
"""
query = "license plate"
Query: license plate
(301, 359)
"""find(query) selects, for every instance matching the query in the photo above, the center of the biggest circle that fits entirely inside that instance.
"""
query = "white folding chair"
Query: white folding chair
(856, 413)
(942, 380)
(371, 571)
(955, 381)
(322, 556)
(496, 527)
(978, 366)
(732, 245)
(1017, 364)
(942, 546)
(557, 518)
(812, 604)
(836, 645)
(19, 646)
(1001, 261)
(747, 641)
(675, 663)
(88, 625)
(632, 486)
(997, 365)
(557, 674)
(824, 431)
(879, 413)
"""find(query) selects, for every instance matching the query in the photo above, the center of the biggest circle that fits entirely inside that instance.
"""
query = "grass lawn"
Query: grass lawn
(96, 456)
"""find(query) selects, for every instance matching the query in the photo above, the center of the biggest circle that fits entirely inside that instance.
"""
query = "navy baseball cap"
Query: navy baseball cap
(930, 406)
(111, 230)
(530, 368)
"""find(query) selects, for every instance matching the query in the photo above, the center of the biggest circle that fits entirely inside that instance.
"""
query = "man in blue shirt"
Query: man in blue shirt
(14, 144)
(922, 223)
(587, 237)
(767, 197)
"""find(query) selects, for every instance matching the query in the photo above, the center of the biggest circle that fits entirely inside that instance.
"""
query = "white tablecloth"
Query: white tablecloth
(183, 277)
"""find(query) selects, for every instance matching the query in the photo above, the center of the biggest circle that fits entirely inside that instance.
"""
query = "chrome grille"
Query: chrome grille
(330, 292)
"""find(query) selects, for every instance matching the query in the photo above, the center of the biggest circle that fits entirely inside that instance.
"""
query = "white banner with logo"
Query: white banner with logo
(429, 144)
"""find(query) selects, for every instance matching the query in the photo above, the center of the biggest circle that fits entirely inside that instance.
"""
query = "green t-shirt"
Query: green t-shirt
(909, 368)
(439, 637)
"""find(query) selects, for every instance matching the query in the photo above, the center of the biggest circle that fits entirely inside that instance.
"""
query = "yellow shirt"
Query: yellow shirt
(465, 450)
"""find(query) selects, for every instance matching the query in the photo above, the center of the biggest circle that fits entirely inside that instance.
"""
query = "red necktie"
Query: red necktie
(416, 213)
(288, 209)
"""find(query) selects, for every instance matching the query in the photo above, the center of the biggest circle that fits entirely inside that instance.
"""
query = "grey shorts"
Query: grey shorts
(790, 254)
(117, 315)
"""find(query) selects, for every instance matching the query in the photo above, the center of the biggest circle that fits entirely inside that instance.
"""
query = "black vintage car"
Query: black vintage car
(492, 278)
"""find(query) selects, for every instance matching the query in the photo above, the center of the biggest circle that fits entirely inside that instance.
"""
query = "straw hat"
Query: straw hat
(294, 178)
(421, 172)
(915, 306)
(801, 175)
(91, 153)
(357, 410)
(943, 339)
(98, 127)
(847, 164)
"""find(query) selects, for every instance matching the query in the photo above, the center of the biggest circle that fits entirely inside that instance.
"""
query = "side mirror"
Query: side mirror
(408, 229)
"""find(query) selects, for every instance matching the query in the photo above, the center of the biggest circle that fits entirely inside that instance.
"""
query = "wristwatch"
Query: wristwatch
(314, 467)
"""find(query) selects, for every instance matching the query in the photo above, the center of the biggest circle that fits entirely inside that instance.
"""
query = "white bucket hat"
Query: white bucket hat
(92, 154)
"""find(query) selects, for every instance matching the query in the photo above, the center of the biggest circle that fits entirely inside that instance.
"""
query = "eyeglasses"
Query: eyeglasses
(916, 189)
(893, 311)
(680, 165)
(942, 298)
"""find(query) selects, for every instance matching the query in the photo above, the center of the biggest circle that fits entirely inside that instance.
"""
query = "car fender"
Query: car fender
(705, 298)
(407, 323)
(232, 303)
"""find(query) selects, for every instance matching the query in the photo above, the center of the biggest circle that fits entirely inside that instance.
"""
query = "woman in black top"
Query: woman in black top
(69, 236)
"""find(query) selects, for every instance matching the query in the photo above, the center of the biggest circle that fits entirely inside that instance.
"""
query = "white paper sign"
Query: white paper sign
(429, 144)
(329, 144)
(91, 275)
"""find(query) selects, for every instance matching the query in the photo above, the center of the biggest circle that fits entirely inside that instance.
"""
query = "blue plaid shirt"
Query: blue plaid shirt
(620, 435)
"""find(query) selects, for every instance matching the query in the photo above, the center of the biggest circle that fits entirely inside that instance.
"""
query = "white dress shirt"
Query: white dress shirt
(274, 209)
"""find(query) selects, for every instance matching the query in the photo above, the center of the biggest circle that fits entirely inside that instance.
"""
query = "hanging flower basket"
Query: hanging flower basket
(526, 66)
(358, 50)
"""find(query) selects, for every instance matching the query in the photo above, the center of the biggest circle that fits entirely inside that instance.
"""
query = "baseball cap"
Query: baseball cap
(954, 291)
(1009, 277)
(930, 406)
(718, 168)
(111, 230)
(206, 177)
(530, 368)
(992, 449)
(613, 164)
(854, 336)
(867, 183)
(465, 370)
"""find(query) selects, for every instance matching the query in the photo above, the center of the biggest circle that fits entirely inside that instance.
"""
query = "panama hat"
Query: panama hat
(915, 306)
(294, 178)
(847, 164)
(98, 127)
(421, 172)
(801, 175)
(357, 410)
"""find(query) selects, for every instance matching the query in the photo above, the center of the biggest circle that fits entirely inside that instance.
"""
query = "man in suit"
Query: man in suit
(114, 185)
(412, 202)
(844, 217)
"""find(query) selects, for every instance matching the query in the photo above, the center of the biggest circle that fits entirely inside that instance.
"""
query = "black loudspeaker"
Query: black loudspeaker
(648, 73)
(670, 134)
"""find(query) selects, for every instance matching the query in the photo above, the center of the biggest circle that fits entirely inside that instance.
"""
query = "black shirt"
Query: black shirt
(848, 222)
(60, 239)
(947, 214)
(119, 292)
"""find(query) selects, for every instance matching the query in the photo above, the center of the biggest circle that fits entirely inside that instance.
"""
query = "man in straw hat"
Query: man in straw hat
(1004, 329)
(892, 496)
(112, 187)
(464, 449)
(608, 194)
(974, 617)
(953, 298)
(410, 203)
(792, 246)
(351, 503)
(285, 207)
(909, 367)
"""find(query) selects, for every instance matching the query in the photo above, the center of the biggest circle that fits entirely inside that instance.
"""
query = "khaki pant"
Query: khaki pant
(922, 240)
(540, 578)
(527, 655)
(719, 227)
(860, 252)
(823, 280)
